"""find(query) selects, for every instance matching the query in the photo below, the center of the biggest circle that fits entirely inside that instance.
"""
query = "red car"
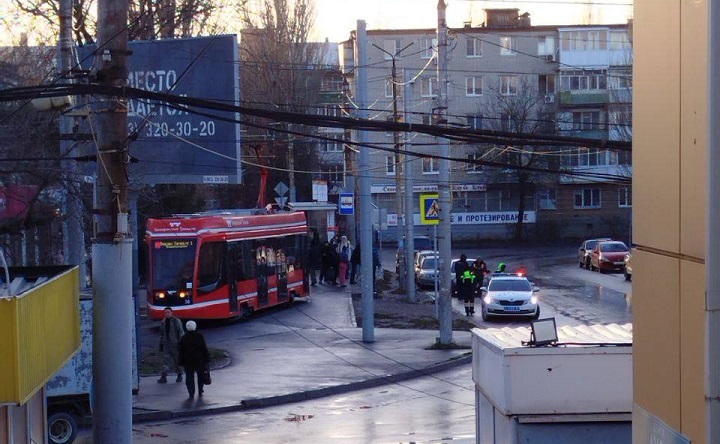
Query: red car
(608, 256)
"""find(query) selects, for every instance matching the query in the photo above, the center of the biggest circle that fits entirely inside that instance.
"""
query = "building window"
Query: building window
(473, 86)
(335, 174)
(546, 46)
(429, 87)
(331, 83)
(474, 121)
(587, 198)
(579, 80)
(429, 165)
(546, 85)
(584, 40)
(586, 120)
(392, 46)
(388, 88)
(507, 45)
(426, 119)
(625, 197)
(547, 199)
(474, 47)
(620, 79)
(333, 147)
(331, 111)
(619, 40)
(506, 122)
(391, 164)
(473, 167)
(509, 85)
(429, 48)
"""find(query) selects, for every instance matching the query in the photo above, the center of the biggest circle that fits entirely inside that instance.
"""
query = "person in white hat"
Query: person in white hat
(194, 357)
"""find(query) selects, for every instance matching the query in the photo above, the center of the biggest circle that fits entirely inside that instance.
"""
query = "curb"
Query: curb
(271, 401)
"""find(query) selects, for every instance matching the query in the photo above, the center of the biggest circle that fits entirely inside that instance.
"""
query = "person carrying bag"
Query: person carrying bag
(194, 357)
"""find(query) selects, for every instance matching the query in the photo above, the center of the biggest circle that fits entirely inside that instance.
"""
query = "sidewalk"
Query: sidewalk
(307, 351)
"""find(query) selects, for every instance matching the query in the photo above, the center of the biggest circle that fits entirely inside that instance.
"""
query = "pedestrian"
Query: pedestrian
(500, 268)
(327, 263)
(479, 269)
(377, 266)
(344, 253)
(355, 260)
(465, 282)
(313, 259)
(194, 357)
(171, 331)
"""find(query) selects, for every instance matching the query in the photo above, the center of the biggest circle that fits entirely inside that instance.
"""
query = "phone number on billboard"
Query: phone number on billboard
(202, 128)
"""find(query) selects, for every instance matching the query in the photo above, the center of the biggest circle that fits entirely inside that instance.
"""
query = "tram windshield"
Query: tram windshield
(173, 263)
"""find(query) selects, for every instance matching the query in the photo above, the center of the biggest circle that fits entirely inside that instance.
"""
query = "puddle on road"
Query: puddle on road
(294, 417)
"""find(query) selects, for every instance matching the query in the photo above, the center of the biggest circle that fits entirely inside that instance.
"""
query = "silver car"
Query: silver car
(425, 272)
(509, 295)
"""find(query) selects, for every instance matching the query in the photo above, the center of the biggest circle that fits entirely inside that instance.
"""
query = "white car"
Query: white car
(509, 295)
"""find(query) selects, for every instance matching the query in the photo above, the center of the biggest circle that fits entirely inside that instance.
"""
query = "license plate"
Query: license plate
(512, 308)
(619, 263)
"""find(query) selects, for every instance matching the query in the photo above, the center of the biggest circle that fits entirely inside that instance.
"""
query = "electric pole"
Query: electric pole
(444, 235)
(350, 183)
(409, 219)
(399, 160)
(73, 236)
(112, 242)
(366, 241)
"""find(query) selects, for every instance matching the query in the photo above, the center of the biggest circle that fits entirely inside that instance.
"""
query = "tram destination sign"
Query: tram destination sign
(173, 145)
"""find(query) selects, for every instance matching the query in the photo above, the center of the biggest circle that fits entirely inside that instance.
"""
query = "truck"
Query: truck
(69, 391)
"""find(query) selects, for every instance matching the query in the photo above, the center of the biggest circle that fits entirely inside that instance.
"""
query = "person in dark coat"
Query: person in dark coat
(465, 282)
(171, 331)
(193, 355)
(327, 263)
(354, 263)
(313, 260)
(479, 269)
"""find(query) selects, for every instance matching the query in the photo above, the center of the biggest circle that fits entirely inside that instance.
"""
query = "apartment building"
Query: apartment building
(506, 75)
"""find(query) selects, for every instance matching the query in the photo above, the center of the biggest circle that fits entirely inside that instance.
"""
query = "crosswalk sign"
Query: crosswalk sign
(429, 209)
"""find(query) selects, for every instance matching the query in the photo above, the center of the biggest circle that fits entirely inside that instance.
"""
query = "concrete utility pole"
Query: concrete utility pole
(409, 220)
(73, 236)
(112, 243)
(712, 234)
(399, 160)
(366, 243)
(444, 235)
(349, 153)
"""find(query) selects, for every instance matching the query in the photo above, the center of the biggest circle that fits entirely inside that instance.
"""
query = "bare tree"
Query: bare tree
(517, 108)
(147, 19)
(281, 69)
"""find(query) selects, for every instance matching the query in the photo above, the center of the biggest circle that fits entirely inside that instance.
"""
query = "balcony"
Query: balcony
(40, 327)
(591, 97)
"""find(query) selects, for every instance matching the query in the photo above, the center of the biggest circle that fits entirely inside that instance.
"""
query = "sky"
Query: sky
(336, 18)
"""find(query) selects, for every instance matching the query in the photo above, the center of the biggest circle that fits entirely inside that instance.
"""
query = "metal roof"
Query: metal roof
(510, 338)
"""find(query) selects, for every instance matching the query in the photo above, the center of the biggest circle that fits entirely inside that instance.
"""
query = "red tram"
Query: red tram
(225, 264)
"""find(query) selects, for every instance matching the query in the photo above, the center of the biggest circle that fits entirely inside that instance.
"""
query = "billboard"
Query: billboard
(177, 146)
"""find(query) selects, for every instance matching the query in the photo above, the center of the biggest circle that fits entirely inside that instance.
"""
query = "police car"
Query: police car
(509, 295)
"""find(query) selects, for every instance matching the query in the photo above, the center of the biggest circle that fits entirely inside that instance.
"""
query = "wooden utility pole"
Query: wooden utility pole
(112, 243)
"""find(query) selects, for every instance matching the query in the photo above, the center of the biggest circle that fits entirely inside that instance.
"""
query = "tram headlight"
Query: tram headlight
(160, 295)
(182, 295)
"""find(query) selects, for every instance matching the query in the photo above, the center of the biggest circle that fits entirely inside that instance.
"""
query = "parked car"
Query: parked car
(421, 242)
(586, 248)
(419, 255)
(627, 267)
(509, 295)
(608, 256)
(425, 272)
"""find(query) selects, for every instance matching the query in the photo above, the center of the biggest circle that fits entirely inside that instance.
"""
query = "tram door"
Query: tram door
(234, 270)
(265, 267)
(282, 272)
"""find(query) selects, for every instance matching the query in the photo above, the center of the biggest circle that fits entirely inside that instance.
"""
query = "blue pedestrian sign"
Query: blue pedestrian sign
(346, 204)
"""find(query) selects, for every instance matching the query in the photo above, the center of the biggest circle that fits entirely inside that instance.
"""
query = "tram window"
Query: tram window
(210, 266)
(236, 261)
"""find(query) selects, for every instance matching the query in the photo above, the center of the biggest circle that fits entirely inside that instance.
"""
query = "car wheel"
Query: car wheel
(484, 314)
(62, 428)
(588, 264)
(582, 264)
(628, 277)
(591, 267)
(602, 270)
(537, 313)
